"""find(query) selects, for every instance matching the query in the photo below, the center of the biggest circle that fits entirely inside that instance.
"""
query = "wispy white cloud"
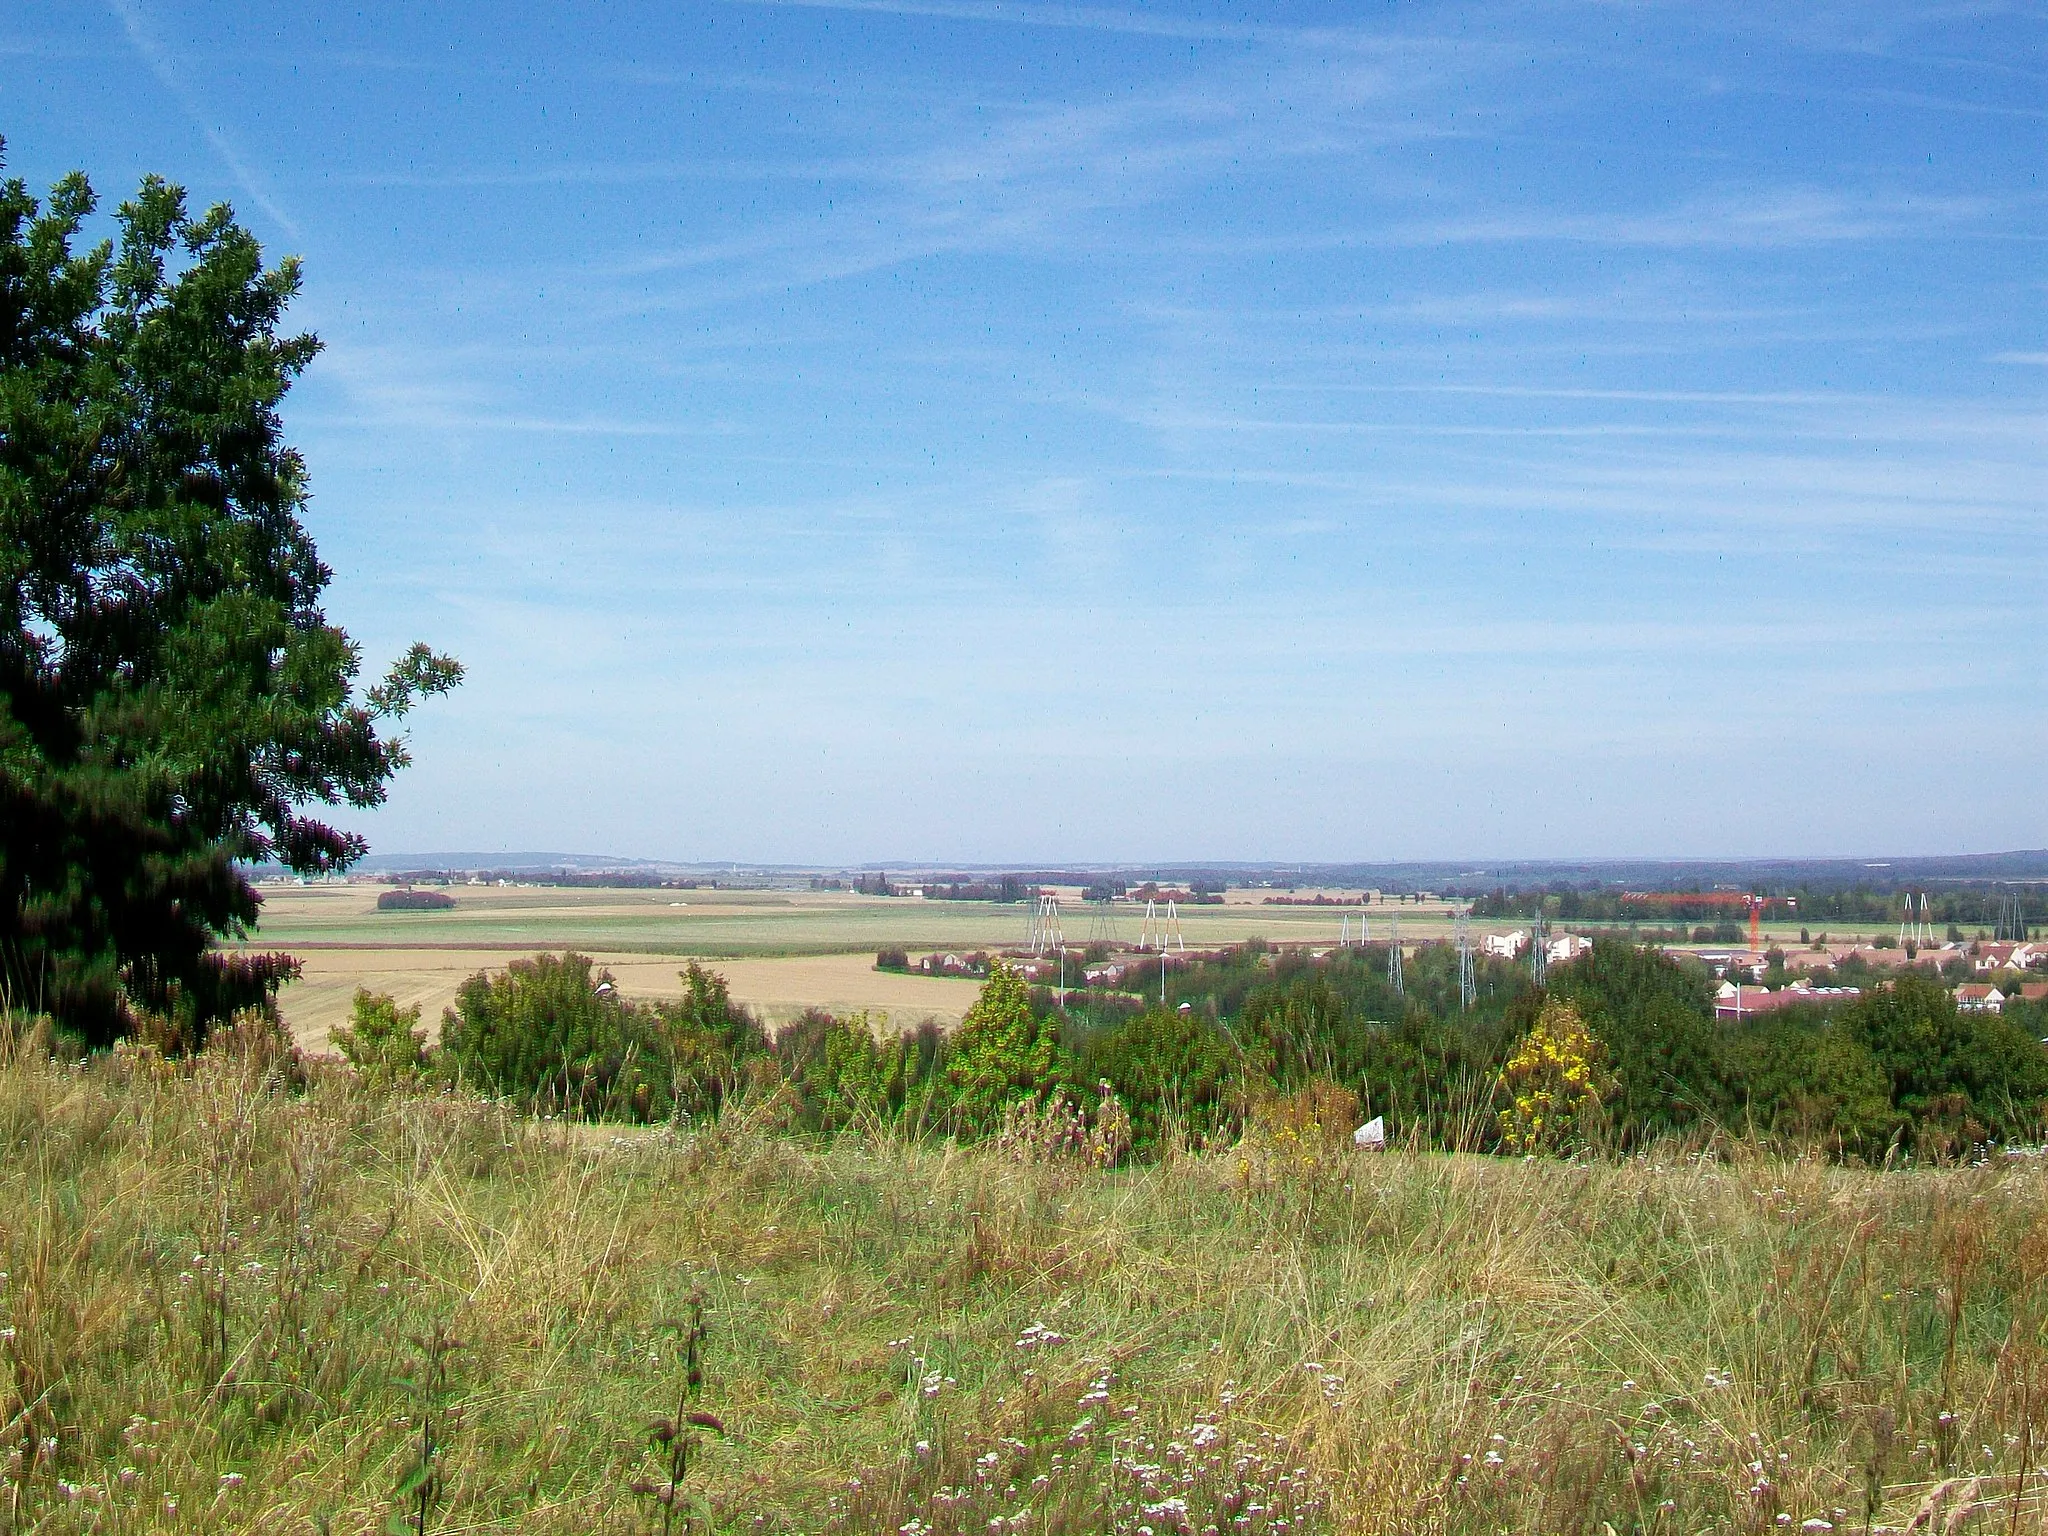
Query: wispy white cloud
(1085, 18)
(142, 37)
(628, 173)
(1755, 218)
(1374, 403)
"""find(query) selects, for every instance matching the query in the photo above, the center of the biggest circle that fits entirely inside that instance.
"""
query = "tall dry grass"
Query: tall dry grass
(220, 1280)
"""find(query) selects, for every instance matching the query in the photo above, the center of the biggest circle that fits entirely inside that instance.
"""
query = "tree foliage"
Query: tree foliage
(554, 1033)
(708, 1040)
(1622, 1049)
(1672, 1069)
(172, 697)
(1169, 1069)
(1003, 1051)
(382, 1041)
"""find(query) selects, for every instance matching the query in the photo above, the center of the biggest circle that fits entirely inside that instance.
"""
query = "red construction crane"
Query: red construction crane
(1754, 903)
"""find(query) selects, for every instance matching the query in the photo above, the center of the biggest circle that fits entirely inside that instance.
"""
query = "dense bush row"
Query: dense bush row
(1620, 1049)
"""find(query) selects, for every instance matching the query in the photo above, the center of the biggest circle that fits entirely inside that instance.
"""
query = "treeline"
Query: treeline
(1899, 1071)
(577, 879)
(410, 900)
(1967, 908)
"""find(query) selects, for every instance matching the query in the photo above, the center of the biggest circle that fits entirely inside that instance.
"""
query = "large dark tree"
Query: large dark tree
(171, 695)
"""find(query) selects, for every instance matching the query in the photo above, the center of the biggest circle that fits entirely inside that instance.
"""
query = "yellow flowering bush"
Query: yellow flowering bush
(1301, 1134)
(1553, 1084)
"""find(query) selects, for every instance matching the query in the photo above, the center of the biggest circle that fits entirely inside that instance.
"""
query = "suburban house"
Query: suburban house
(1997, 957)
(1568, 946)
(1723, 962)
(1505, 946)
(1979, 997)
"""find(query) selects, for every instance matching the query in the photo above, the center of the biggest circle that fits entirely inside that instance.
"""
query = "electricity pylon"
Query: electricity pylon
(2012, 922)
(1045, 935)
(1468, 982)
(1916, 928)
(1102, 922)
(1539, 949)
(1394, 978)
(1161, 930)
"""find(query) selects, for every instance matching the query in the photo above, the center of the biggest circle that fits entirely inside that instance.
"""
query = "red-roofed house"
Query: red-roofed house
(1736, 1000)
(1995, 957)
(1979, 997)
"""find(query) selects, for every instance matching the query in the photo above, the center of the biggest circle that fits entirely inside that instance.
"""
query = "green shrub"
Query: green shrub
(1168, 1067)
(1672, 1064)
(1810, 1081)
(1002, 1052)
(547, 1033)
(846, 1077)
(1956, 1077)
(382, 1041)
(708, 1040)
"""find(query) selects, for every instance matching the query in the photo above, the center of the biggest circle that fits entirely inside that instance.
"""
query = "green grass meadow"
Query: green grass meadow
(224, 1282)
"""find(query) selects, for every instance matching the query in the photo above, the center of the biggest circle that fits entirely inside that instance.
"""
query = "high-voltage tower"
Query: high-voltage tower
(1468, 980)
(1916, 928)
(1102, 922)
(2012, 921)
(1161, 930)
(1045, 934)
(1344, 939)
(1394, 978)
(1539, 948)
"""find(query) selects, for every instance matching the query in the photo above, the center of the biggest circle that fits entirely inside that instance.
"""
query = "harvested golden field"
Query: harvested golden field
(777, 989)
(781, 951)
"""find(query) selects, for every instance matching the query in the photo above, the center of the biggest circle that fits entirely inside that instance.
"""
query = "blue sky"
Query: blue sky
(1004, 431)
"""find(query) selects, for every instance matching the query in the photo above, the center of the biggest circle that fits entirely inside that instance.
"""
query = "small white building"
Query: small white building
(1567, 947)
(1505, 946)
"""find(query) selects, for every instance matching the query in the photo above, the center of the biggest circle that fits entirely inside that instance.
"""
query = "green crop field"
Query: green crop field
(734, 923)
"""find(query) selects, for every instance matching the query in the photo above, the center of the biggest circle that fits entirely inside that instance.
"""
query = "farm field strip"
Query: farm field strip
(720, 924)
(777, 989)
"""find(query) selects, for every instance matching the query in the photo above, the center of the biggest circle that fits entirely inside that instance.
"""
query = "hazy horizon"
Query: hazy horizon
(836, 427)
(473, 859)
